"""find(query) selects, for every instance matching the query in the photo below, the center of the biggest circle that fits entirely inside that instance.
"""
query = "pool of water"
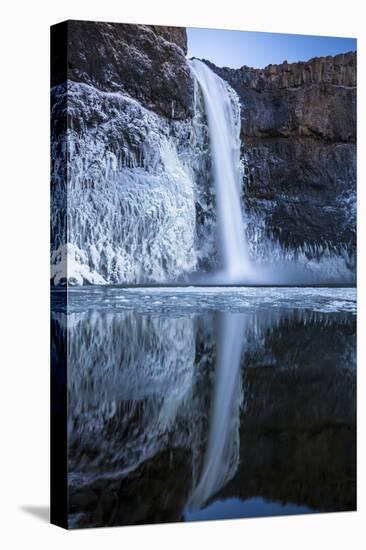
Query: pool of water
(196, 403)
(234, 508)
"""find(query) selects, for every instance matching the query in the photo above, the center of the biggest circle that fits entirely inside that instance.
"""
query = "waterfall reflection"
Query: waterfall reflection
(174, 406)
(222, 452)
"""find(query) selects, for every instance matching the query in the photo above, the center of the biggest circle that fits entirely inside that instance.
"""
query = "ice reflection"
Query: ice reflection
(174, 405)
(129, 380)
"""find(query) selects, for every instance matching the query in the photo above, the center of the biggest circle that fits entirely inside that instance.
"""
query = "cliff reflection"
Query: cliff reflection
(170, 413)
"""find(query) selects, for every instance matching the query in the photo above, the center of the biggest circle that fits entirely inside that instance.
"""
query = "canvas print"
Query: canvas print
(203, 274)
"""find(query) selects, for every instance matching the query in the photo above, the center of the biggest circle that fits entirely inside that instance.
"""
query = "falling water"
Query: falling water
(224, 132)
(125, 209)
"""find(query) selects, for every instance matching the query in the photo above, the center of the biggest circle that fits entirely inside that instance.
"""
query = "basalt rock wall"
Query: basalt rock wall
(299, 142)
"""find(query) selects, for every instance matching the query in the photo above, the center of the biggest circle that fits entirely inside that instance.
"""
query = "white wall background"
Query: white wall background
(24, 218)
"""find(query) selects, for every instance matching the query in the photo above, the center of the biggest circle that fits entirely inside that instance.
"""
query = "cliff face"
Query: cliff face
(316, 98)
(147, 63)
(122, 113)
(299, 141)
(130, 143)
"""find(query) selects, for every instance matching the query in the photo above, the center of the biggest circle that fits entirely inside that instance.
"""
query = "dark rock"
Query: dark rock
(298, 126)
(177, 35)
(302, 187)
(147, 63)
(299, 139)
(155, 493)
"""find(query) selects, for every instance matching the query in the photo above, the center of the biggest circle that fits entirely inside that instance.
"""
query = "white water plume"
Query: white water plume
(138, 198)
(223, 116)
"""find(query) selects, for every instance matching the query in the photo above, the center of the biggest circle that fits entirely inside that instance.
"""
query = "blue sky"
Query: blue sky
(258, 49)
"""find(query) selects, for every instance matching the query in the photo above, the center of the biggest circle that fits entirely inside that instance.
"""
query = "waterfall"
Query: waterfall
(221, 106)
(133, 200)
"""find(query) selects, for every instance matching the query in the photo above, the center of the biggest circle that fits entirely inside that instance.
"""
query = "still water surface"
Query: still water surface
(196, 403)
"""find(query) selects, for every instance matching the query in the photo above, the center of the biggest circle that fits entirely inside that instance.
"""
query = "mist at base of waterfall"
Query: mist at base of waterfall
(166, 209)
(331, 270)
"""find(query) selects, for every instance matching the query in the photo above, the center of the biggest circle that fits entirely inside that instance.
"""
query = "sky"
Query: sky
(258, 49)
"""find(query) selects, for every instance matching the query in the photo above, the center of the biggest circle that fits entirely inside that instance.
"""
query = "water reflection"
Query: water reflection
(182, 413)
(221, 457)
